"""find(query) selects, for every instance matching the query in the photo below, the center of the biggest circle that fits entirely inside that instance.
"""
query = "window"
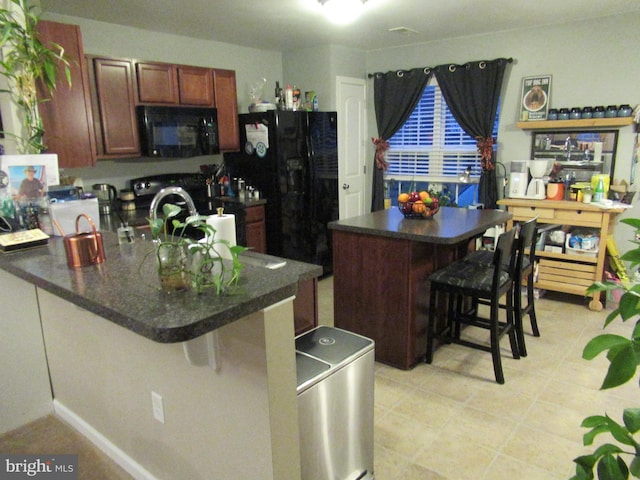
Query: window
(431, 146)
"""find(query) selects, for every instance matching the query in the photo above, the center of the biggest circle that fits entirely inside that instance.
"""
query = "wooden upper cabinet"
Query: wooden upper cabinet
(67, 117)
(114, 101)
(167, 84)
(157, 83)
(226, 101)
(195, 86)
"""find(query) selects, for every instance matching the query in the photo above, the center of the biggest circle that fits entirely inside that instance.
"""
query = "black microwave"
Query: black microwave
(178, 132)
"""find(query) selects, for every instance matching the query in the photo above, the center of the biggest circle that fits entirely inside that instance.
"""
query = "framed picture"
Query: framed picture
(535, 97)
(42, 167)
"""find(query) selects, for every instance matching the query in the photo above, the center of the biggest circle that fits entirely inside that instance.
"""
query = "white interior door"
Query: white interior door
(351, 107)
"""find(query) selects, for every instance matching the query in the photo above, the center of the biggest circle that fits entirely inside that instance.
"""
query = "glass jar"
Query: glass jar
(625, 110)
(611, 112)
(172, 267)
(587, 112)
(563, 114)
(598, 112)
(553, 114)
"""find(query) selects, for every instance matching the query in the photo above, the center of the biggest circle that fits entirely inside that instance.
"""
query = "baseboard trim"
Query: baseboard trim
(132, 467)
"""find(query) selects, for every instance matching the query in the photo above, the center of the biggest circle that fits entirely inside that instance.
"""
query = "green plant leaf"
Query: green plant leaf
(634, 467)
(610, 469)
(631, 419)
(632, 256)
(601, 343)
(629, 305)
(622, 367)
(589, 437)
(634, 222)
(170, 210)
(619, 432)
(584, 467)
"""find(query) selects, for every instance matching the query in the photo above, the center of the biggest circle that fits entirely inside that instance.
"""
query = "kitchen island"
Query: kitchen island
(381, 262)
(221, 369)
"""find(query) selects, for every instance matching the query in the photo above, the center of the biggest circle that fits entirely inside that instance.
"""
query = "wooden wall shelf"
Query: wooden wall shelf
(583, 123)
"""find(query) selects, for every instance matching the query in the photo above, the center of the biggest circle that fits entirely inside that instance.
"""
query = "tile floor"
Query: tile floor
(450, 420)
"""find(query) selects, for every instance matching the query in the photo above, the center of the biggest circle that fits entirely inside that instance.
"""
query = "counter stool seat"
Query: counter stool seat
(525, 245)
(466, 285)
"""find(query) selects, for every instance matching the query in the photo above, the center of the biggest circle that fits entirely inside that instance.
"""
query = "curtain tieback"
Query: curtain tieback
(381, 148)
(485, 149)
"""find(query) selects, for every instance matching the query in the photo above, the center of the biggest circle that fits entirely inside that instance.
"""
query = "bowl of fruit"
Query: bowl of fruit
(418, 204)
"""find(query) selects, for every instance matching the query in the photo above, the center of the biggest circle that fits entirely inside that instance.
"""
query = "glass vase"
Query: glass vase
(172, 271)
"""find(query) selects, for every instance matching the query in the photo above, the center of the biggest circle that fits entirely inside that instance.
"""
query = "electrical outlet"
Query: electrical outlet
(158, 406)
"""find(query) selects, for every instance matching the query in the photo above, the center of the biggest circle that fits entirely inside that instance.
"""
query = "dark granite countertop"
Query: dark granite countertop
(125, 289)
(449, 226)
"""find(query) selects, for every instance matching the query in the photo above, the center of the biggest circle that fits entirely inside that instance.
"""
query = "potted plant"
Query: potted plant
(609, 459)
(27, 63)
(184, 262)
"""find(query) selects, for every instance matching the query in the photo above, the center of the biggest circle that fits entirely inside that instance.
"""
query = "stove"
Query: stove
(145, 188)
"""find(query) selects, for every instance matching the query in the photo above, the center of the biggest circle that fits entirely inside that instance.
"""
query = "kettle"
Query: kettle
(84, 248)
(106, 195)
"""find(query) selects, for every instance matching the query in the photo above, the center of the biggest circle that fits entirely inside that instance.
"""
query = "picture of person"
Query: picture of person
(30, 184)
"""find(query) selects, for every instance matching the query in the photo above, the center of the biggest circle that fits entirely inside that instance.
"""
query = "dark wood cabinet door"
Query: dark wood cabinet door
(195, 86)
(116, 130)
(256, 229)
(67, 117)
(305, 306)
(157, 83)
(226, 101)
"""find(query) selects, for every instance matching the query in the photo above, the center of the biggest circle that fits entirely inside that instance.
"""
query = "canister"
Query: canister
(555, 191)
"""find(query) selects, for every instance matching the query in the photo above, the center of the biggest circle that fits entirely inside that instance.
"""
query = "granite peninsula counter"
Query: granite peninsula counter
(124, 289)
(94, 345)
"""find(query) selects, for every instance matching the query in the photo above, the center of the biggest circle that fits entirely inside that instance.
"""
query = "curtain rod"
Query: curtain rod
(426, 69)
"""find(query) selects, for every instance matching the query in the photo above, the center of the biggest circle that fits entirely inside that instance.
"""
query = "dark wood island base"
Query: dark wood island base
(381, 261)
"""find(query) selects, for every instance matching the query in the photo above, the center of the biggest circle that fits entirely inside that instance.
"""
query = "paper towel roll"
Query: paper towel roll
(225, 226)
(597, 151)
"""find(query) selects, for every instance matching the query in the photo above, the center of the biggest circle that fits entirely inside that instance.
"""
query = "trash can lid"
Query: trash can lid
(333, 345)
(308, 368)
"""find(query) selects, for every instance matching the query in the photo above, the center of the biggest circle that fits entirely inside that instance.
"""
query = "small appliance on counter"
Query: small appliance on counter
(106, 195)
(518, 179)
(536, 188)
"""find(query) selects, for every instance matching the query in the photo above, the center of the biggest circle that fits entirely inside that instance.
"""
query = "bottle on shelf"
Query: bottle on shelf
(288, 96)
(598, 194)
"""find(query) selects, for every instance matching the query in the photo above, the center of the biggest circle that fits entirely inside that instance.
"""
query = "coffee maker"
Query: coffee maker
(536, 188)
(518, 179)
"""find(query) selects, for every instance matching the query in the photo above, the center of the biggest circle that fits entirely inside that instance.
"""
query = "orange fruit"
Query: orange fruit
(419, 207)
(403, 198)
(424, 195)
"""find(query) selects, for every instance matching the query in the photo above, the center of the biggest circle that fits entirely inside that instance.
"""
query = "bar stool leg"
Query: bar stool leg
(519, 314)
(531, 306)
(495, 344)
(431, 328)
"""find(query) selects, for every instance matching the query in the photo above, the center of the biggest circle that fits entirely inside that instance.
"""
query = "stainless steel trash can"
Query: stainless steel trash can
(335, 404)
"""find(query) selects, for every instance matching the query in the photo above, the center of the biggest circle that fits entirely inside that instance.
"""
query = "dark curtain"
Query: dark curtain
(395, 94)
(472, 92)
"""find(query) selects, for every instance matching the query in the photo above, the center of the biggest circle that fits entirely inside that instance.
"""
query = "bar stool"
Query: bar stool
(523, 272)
(466, 284)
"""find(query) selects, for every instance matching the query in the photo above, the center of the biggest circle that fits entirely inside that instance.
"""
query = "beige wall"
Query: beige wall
(26, 393)
(237, 422)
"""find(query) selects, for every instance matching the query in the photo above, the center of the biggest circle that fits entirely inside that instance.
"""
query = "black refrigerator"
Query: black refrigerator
(292, 159)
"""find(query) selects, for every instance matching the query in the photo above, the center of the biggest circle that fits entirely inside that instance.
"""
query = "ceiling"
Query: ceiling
(292, 24)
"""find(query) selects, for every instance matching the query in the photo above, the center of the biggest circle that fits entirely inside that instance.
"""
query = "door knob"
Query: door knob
(345, 186)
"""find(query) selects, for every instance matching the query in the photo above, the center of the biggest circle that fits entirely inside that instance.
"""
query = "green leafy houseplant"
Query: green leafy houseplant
(609, 459)
(184, 262)
(26, 63)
